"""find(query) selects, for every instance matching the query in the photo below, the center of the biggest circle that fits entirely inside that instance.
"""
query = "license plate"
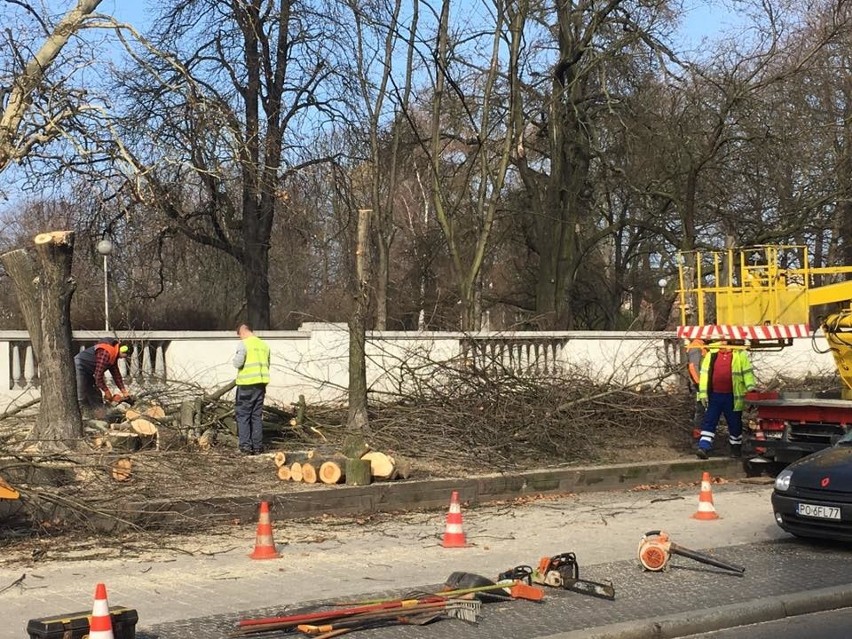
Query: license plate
(820, 512)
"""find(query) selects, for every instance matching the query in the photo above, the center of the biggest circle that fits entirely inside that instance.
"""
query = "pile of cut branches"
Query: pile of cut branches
(494, 420)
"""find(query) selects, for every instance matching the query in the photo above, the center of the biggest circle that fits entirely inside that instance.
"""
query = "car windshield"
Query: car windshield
(846, 440)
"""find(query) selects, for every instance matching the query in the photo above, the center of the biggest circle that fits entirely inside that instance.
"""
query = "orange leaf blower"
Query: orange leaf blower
(656, 549)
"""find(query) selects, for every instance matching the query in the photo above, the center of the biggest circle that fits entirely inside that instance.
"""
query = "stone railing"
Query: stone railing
(146, 364)
(313, 361)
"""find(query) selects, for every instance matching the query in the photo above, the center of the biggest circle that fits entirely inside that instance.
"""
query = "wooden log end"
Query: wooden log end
(330, 472)
(156, 412)
(284, 473)
(54, 237)
(309, 474)
(280, 458)
(122, 469)
(382, 466)
(143, 426)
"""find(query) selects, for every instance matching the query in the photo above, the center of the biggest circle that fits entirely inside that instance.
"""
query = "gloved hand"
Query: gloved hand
(108, 397)
(703, 401)
(124, 396)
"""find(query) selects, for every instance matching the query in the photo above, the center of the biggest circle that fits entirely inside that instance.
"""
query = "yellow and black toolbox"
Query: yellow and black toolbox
(75, 625)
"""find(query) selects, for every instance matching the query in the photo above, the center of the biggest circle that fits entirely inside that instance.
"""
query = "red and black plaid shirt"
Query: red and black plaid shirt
(102, 365)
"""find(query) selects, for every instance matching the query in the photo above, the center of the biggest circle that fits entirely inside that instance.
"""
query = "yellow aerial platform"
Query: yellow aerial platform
(762, 296)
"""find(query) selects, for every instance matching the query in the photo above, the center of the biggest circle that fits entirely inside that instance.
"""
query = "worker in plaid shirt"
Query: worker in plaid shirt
(91, 364)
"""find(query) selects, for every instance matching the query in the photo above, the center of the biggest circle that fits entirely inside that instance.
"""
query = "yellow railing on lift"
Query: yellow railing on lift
(755, 286)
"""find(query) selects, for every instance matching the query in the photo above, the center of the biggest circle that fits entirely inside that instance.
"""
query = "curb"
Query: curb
(721, 617)
(422, 494)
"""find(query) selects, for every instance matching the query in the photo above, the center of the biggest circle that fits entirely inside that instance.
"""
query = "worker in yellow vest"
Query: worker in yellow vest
(252, 362)
(725, 378)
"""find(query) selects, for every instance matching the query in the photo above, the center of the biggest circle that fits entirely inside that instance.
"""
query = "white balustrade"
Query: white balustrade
(313, 361)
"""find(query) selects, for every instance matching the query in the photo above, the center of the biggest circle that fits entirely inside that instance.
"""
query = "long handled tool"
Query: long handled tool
(656, 549)
(513, 588)
(392, 607)
(420, 614)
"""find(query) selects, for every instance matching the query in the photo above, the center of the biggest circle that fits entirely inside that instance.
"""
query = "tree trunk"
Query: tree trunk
(357, 472)
(20, 266)
(357, 420)
(59, 425)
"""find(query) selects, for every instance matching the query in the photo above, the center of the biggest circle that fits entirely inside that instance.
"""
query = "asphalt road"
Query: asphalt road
(201, 585)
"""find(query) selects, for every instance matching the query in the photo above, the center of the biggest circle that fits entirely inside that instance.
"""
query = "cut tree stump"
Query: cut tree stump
(122, 441)
(143, 426)
(331, 472)
(296, 471)
(187, 416)
(309, 473)
(357, 472)
(122, 469)
(284, 473)
(148, 432)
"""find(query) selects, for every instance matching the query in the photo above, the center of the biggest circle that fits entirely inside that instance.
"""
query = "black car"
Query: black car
(813, 496)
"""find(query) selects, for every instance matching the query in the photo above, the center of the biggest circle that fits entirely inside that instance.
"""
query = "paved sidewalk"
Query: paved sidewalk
(200, 586)
(782, 579)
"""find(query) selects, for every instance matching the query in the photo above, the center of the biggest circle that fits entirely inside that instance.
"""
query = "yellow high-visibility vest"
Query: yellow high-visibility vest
(256, 367)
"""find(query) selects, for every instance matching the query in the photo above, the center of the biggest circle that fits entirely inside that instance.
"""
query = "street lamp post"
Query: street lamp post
(105, 249)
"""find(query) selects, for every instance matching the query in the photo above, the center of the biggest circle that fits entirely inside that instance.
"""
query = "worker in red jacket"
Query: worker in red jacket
(91, 364)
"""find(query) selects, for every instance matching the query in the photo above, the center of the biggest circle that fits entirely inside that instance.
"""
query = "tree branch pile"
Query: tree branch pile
(492, 419)
(458, 419)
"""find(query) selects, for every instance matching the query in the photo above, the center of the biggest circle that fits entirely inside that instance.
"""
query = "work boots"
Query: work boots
(736, 450)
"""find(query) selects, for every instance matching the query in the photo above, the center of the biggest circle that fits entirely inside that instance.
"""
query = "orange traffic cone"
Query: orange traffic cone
(453, 534)
(706, 509)
(100, 625)
(264, 547)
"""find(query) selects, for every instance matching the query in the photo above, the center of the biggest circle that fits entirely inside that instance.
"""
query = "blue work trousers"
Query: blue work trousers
(719, 404)
(249, 412)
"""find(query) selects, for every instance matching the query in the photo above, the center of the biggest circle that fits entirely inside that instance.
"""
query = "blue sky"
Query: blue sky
(701, 18)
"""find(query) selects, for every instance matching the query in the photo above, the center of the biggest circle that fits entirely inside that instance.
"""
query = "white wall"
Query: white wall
(313, 361)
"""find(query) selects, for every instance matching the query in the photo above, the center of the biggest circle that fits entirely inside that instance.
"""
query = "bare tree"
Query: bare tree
(220, 90)
(377, 36)
(471, 137)
(33, 111)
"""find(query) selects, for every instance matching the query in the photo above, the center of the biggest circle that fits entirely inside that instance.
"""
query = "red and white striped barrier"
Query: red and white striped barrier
(730, 331)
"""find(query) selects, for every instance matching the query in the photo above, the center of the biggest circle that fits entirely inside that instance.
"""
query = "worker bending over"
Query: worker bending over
(91, 364)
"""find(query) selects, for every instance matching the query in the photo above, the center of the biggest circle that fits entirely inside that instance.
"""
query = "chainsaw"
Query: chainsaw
(561, 571)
